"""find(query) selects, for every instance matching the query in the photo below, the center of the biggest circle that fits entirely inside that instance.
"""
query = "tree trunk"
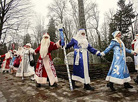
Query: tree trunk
(82, 22)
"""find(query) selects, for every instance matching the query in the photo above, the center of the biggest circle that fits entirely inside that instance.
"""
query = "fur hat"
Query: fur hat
(46, 35)
(79, 34)
(81, 31)
(115, 33)
(28, 44)
(14, 50)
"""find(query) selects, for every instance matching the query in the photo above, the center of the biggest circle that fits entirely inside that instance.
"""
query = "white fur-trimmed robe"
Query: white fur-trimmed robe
(25, 69)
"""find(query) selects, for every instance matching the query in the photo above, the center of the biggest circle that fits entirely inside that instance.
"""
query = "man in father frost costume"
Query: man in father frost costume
(45, 68)
(81, 59)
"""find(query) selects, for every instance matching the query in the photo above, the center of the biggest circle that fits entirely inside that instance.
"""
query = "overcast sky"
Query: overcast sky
(40, 6)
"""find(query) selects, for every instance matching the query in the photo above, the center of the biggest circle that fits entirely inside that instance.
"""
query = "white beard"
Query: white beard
(20, 51)
(27, 48)
(136, 37)
(8, 55)
(83, 43)
(44, 47)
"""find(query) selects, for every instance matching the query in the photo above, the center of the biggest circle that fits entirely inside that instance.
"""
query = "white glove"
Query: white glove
(102, 54)
(60, 26)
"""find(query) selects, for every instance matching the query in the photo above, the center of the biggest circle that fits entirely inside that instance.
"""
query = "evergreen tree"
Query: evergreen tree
(35, 45)
(51, 30)
(27, 39)
(121, 21)
(3, 49)
(123, 18)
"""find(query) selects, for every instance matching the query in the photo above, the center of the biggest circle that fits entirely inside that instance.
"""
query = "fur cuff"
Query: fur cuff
(102, 54)
(136, 50)
(97, 52)
(58, 44)
(132, 52)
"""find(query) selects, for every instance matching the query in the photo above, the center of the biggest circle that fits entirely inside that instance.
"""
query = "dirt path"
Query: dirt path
(12, 89)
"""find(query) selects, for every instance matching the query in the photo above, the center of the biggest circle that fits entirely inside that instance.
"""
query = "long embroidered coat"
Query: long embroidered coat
(118, 72)
(81, 61)
(135, 48)
(6, 63)
(45, 68)
(24, 68)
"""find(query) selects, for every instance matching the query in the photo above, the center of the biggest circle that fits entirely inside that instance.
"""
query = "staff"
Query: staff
(66, 61)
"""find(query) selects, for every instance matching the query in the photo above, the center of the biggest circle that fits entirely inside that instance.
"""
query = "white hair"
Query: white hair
(82, 41)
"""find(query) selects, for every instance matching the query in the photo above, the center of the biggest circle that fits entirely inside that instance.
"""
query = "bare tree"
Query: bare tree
(12, 13)
(93, 21)
(39, 29)
(69, 28)
(105, 26)
(58, 11)
(90, 16)
(74, 13)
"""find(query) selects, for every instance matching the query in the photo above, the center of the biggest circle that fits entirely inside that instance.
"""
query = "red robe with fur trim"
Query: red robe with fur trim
(45, 67)
(5, 63)
(132, 44)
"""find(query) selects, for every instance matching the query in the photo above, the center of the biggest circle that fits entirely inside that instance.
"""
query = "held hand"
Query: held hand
(135, 54)
(102, 54)
(34, 53)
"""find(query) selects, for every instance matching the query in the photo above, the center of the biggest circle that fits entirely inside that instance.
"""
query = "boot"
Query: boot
(38, 85)
(136, 80)
(32, 78)
(88, 87)
(73, 84)
(127, 85)
(3, 71)
(54, 85)
(110, 84)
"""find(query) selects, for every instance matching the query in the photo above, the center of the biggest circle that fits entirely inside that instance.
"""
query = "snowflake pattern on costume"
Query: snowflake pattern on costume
(52, 67)
(116, 71)
(40, 70)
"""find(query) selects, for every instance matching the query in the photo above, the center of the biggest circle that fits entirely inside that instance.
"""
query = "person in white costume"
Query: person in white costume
(25, 69)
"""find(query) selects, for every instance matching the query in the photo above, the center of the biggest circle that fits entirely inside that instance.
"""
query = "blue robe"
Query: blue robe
(81, 68)
(12, 61)
(118, 72)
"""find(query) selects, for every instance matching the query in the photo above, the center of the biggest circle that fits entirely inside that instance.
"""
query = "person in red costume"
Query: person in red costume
(135, 48)
(45, 69)
(6, 62)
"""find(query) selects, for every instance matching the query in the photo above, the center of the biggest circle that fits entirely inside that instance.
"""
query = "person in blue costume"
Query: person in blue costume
(13, 56)
(118, 72)
(81, 59)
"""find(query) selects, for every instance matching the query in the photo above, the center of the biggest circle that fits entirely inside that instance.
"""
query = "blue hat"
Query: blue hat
(115, 33)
